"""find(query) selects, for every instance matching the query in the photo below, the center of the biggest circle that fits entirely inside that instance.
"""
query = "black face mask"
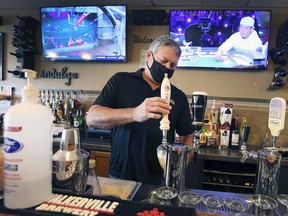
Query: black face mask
(158, 70)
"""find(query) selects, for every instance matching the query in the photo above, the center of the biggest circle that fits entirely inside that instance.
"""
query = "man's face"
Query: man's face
(166, 56)
(245, 31)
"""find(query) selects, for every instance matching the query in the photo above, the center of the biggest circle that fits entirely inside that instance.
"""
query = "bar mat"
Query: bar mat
(123, 207)
(147, 209)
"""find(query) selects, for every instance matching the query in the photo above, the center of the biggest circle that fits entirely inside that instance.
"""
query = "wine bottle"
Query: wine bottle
(234, 140)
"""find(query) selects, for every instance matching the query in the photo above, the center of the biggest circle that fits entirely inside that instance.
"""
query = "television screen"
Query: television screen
(87, 33)
(222, 39)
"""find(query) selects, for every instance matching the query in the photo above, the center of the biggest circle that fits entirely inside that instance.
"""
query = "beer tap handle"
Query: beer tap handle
(246, 131)
(165, 94)
(276, 122)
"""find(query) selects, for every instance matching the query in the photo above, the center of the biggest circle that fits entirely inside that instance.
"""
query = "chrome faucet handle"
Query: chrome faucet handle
(245, 156)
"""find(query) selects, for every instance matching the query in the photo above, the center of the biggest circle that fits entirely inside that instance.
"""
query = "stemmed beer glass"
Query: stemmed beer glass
(266, 205)
(189, 198)
(213, 202)
(166, 194)
(237, 205)
(283, 199)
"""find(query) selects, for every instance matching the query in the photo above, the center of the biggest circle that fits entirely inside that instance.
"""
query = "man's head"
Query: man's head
(162, 57)
(165, 40)
(246, 26)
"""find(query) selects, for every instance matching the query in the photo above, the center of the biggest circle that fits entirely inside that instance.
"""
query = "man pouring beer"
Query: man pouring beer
(130, 105)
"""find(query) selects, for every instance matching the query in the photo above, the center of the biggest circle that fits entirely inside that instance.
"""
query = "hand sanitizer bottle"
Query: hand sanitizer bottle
(27, 150)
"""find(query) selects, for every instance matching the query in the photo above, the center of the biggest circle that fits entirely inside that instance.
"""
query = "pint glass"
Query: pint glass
(199, 102)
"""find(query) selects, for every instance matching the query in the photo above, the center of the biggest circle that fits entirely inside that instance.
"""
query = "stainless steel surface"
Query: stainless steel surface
(70, 139)
(70, 163)
(269, 163)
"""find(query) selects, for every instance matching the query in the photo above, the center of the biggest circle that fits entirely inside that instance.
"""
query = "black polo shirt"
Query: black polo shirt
(133, 146)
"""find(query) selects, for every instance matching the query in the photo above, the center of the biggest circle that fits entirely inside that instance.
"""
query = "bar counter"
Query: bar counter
(143, 193)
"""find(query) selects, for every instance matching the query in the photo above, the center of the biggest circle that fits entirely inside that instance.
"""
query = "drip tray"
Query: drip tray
(124, 189)
(201, 210)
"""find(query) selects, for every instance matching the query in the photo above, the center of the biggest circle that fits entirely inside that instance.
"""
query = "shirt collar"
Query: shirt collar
(138, 73)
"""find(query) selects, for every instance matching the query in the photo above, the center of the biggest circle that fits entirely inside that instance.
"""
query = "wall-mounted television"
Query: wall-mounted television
(201, 32)
(84, 33)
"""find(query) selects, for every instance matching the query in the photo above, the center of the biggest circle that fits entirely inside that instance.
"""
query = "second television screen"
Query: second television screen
(201, 32)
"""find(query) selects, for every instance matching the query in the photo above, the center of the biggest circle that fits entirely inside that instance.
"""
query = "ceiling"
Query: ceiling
(26, 4)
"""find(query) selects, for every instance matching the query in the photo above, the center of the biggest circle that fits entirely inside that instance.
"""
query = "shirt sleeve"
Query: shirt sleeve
(228, 44)
(108, 95)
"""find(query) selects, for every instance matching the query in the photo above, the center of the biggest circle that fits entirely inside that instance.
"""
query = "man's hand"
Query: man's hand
(218, 55)
(151, 108)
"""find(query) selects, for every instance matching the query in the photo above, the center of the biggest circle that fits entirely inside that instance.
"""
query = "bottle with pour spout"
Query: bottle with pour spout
(27, 150)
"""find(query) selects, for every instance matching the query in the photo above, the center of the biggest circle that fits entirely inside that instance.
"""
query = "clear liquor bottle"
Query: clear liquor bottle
(92, 178)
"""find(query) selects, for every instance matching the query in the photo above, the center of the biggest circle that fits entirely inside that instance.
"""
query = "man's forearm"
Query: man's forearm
(107, 118)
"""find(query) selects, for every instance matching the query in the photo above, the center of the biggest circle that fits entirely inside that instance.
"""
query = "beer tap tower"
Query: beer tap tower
(172, 156)
(269, 160)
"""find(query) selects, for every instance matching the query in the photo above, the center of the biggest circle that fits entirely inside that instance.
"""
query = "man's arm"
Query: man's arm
(227, 45)
(107, 118)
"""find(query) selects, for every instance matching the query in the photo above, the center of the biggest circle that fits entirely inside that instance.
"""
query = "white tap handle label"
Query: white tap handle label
(277, 111)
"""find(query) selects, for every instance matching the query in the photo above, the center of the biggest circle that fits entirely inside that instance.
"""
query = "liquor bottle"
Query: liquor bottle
(55, 117)
(92, 178)
(234, 140)
(60, 110)
(224, 135)
(203, 136)
(47, 104)
(224, 139)
(67, 109)
(214, 113)
(79, 121)
(213, 137)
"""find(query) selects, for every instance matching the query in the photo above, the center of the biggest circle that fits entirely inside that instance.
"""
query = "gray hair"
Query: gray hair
(165, 40)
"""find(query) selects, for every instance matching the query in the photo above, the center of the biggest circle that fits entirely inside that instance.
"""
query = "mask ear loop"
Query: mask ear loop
(152, 54)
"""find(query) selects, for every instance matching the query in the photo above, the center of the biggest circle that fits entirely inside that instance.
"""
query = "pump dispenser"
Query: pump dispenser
(29, 92)
(27, 150)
